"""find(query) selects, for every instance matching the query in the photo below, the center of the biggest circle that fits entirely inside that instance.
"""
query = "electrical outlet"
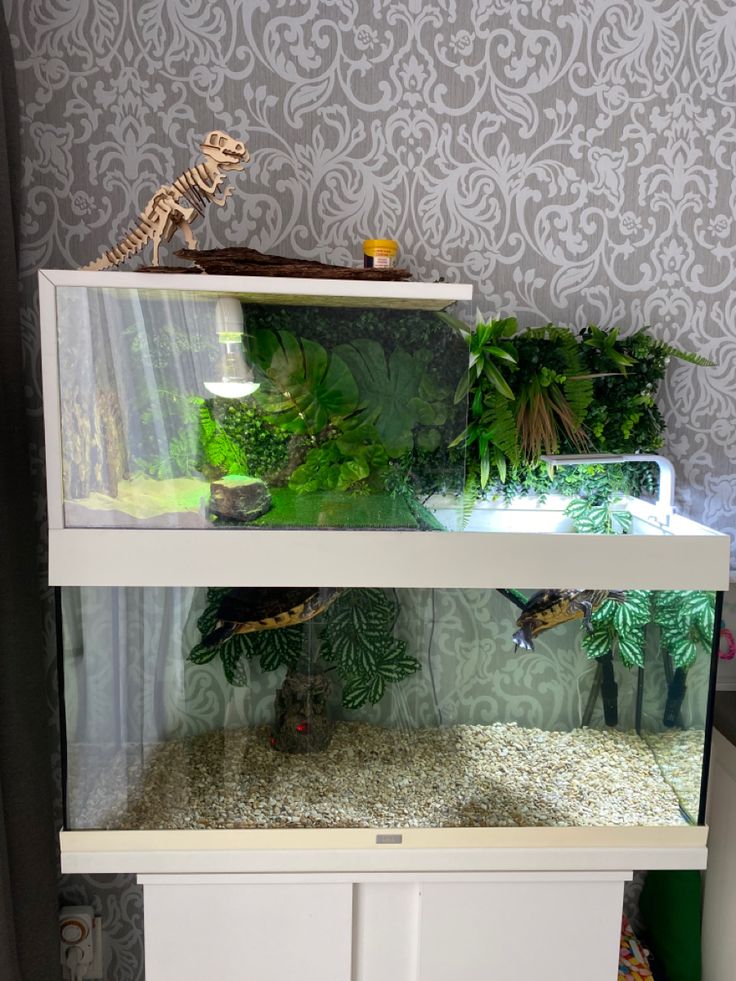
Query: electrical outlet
(80, 936)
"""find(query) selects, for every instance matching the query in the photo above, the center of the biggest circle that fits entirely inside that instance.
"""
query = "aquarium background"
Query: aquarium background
(374, 133)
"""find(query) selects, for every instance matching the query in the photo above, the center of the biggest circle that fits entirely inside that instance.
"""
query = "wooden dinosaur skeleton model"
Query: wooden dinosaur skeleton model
(175, 206)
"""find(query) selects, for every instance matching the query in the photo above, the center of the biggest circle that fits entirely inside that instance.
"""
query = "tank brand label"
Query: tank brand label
(389, 839)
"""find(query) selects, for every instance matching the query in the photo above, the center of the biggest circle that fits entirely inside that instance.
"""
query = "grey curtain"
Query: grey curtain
(29, 948)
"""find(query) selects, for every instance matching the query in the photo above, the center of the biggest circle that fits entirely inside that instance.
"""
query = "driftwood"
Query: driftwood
(241, 261)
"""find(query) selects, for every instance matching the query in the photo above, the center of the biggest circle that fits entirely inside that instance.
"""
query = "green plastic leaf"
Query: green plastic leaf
(597, 643)
(389, 392)
(233, 656)
(428, 440)
(393, 663)
(208, 619)
(280, 647)
(631, 647)
(496, 379)
(357, 691)
(200, 654)
(683, 651)
(351, 472)
(304, 388)
(423, 412)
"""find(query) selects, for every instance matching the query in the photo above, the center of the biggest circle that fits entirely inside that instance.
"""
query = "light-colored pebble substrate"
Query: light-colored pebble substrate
(463, 776)
(680, 755)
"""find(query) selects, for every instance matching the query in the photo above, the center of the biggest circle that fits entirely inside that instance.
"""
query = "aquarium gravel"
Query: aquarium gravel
(460, 776)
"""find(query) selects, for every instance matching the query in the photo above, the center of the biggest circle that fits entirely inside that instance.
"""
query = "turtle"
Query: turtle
(245, 610)
(551, 607)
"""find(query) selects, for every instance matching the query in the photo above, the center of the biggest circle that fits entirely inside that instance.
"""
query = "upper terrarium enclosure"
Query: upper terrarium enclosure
(326, 413)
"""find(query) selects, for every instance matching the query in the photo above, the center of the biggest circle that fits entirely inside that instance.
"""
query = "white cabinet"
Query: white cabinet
(526, 926)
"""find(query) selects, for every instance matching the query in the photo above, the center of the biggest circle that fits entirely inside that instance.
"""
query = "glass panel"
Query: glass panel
(283, 708)
(185, 410)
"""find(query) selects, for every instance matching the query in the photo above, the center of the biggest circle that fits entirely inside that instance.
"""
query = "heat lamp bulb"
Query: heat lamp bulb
(237, 375)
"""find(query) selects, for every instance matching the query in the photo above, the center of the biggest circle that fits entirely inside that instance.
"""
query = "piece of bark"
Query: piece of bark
(242, 261)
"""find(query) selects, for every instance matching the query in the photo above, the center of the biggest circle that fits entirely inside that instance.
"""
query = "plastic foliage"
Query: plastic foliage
(396, 395)
(549, 389)
(684, 618)
(356, 639)
(605, 518)
(491, 427)
(222, 453)
(358, 409)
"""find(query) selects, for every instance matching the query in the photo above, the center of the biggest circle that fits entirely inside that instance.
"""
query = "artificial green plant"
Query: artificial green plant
(549, 390)
(356, 640)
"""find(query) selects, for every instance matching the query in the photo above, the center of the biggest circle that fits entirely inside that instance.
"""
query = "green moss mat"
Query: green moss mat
(145, 499)
(333, 509)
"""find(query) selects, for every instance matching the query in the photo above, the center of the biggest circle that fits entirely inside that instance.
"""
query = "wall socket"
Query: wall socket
(80, 939)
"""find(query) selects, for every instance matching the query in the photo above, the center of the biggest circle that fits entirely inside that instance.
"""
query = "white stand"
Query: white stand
(384, 926)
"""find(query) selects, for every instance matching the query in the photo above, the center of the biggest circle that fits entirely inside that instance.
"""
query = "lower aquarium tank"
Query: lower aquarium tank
(306, 708)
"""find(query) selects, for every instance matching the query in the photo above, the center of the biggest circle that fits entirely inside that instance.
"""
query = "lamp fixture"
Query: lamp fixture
(237, 375)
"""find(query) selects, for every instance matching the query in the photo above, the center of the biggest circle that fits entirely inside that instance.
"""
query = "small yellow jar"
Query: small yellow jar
(380, 253)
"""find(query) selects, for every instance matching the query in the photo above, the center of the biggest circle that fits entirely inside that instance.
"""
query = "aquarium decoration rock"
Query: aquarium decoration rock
(301, 724)
(239, 498)
(175, 206)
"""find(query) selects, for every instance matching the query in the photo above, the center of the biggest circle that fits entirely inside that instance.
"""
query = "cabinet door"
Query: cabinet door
(520, 930)
(248, 932)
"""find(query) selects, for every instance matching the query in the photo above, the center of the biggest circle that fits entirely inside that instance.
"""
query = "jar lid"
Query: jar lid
(380, 243)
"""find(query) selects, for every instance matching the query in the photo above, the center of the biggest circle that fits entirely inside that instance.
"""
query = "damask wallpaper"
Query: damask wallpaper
(573, 159)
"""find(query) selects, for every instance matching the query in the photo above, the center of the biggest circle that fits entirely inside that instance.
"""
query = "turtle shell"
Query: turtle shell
(249, 609)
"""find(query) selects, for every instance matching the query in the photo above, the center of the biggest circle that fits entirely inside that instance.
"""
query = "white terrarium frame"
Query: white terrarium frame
(678, 554)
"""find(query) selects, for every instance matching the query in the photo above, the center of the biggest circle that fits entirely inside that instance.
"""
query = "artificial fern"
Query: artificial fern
(220, 451)
(666, 350)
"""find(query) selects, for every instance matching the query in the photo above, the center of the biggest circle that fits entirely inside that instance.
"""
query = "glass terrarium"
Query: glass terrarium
(388, 710)
(199, 409)
(314, 674)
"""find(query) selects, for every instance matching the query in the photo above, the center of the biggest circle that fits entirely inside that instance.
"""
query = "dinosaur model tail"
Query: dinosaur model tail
(130, 244)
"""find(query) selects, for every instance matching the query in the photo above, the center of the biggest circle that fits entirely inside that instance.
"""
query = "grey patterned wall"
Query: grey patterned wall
(574, 159)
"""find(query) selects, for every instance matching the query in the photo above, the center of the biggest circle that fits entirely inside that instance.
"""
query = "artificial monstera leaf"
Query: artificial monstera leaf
(391, 392)
(303, 387)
